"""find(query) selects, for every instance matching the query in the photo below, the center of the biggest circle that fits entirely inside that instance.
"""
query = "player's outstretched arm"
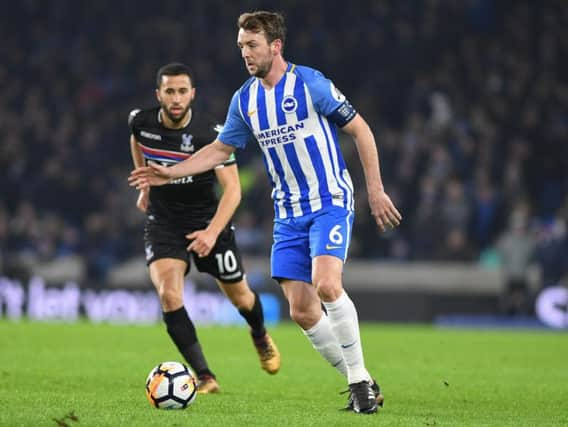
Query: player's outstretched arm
(204, 240)
(138, 160)
(203, 160)
(382, 208)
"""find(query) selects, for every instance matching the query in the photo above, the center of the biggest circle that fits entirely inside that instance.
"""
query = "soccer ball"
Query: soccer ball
(171, 385)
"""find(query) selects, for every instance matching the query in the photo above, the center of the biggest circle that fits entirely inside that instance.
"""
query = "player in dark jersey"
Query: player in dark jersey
(185, 221)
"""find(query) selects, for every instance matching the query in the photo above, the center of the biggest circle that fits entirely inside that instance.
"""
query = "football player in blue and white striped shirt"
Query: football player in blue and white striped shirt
(294, 112)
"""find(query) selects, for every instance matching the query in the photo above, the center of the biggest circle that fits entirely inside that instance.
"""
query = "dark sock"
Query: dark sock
(255, 318)
(181, 330)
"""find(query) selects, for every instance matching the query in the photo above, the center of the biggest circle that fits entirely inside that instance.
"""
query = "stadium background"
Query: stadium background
(468, 100)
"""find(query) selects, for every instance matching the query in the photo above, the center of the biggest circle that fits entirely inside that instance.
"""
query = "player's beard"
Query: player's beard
(263, 69)
(176, 119)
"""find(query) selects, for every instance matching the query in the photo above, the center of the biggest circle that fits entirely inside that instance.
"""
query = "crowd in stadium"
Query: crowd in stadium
(468, 101)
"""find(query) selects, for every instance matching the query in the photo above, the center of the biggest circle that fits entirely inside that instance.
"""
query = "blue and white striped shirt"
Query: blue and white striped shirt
(295, 123)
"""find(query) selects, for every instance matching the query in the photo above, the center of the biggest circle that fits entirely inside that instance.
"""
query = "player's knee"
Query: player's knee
(170, 294)
(170, 297)
(304, 318)
(169, 285)
(328, 289)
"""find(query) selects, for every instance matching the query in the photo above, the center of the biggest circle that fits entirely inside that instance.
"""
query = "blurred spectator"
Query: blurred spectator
(487, 211)
(456, 211)
(454, 247)
(428, 224)
(516, 249)
(552, 250)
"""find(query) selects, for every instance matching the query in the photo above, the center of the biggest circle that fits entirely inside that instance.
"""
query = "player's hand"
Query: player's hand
(143, 200)
(153, 174)
(202, 242)
(384, 211)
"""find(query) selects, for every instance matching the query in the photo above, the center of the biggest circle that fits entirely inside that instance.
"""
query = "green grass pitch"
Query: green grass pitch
(430, 377)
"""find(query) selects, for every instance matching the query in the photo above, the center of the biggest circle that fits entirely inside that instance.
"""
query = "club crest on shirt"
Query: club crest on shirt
(289, 104)
(186, 144)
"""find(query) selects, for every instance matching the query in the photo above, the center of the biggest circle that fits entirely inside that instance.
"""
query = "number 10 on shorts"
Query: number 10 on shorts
(227, 262)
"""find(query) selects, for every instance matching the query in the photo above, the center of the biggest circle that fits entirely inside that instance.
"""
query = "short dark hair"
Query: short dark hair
(272, 23)
(174, 69)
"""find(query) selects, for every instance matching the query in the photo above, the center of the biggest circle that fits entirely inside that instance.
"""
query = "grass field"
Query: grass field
(430, 377)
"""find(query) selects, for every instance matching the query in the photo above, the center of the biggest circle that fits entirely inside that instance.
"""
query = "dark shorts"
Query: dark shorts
(223, 262)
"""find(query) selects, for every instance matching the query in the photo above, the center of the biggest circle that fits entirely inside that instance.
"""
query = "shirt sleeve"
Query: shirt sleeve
(328, 100)
(214, 134)
(235, 131)
(131, 118)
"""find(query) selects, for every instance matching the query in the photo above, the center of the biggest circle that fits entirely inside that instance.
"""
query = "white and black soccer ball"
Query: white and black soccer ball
(171, 385)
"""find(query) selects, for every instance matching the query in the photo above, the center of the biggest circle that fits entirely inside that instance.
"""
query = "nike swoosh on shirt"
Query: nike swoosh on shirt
(348, 345)
(250, 113)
